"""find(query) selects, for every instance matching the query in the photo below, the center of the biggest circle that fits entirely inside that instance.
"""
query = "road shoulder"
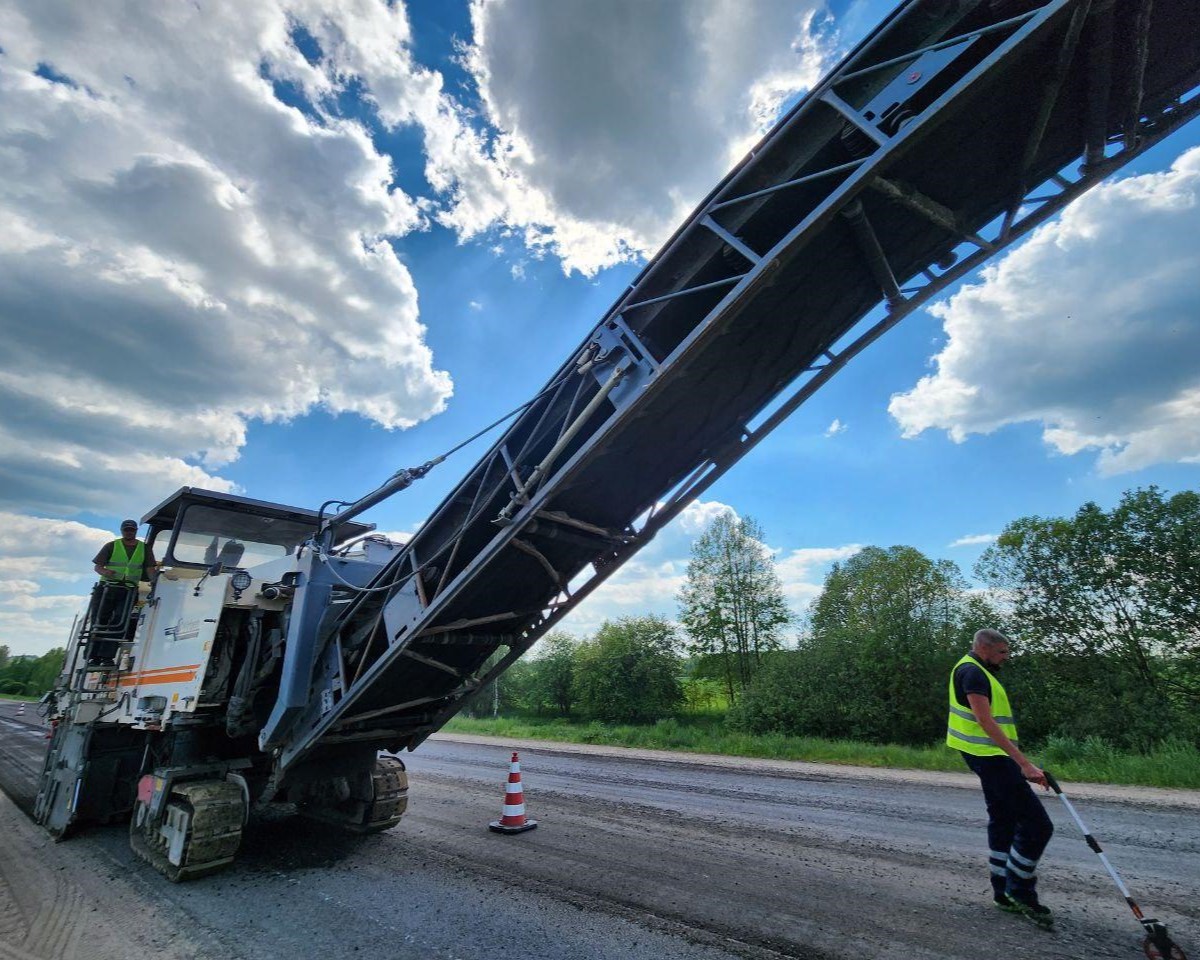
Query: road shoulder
(799, 769)
(62, 902)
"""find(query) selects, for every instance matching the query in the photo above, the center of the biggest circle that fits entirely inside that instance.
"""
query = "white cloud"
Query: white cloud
(47, 548)
(698, 516)
(187, 251)
(58, 603)
(975, 540)
(40, 558)
(835, 428)
(800, 571)
(396, 536)
(195, 237)
(1090, 329)
(611, 121)
(650, 583)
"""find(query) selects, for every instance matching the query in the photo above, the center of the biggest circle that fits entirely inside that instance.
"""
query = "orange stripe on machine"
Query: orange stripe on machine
(157, 680)
(157, 670)
(176, 674)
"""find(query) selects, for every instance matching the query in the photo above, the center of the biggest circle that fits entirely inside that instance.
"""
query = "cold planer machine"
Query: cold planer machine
(282, 650)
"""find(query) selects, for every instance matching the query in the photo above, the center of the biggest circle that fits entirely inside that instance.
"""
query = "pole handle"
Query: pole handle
(1052, 782)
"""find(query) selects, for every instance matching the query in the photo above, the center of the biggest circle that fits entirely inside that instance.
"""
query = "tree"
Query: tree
(874, 661)
(732, 605)
(552, 682)
(46, 670)
(29, 676)
(629, 672)
(507, 693)
(1109, 601)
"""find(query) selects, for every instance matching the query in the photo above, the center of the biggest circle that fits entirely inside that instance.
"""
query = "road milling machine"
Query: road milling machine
(286, 655)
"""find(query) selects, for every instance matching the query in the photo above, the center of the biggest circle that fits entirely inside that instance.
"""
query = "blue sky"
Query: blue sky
(287, 251)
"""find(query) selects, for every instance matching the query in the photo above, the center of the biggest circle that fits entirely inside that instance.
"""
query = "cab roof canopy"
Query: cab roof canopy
(164, 515)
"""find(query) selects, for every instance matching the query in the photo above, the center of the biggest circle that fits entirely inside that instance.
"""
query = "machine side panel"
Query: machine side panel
(176, 639)
(90, 774)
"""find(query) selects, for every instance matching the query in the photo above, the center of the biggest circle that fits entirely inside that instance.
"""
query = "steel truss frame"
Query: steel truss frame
(583, 408)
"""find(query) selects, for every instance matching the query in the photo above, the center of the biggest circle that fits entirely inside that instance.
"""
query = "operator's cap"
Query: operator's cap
(129, 524)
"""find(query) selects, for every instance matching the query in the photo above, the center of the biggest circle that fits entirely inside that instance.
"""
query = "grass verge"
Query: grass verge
(1093, 761)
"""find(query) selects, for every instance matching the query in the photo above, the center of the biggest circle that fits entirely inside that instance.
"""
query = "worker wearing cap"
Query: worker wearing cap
(983, 727)
(121, 564)
(126, 560)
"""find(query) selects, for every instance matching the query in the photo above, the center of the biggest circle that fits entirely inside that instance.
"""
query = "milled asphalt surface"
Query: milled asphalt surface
(934, 808)
(640, 854)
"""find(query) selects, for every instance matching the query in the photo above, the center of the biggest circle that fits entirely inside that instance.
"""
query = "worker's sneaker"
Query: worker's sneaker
(1001, 900)
(1027, 905)
(999, 897)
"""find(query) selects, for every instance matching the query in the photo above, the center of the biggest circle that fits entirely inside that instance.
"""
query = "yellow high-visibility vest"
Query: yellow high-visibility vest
(963, 731)
(128, 566)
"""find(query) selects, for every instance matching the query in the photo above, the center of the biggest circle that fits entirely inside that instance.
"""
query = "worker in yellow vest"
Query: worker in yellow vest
(127, 560)
(983, 727)
(122, 564)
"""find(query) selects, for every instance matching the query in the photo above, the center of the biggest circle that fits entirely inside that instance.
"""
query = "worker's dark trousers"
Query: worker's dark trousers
(1018, 826)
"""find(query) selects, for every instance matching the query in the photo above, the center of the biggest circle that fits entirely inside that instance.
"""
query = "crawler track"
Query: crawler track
(213, 812)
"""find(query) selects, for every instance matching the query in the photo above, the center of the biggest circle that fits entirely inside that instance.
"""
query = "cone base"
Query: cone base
(498, 827)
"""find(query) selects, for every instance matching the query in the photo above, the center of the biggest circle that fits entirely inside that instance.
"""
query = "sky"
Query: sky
(287, 248)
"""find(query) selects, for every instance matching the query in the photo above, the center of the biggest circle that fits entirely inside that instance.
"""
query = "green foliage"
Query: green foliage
(874, 662)
(508, 692)
(1103, 608)
(30, 676)
(1106, 611)
(629, 672)
(702, 695)
(552, 679)
(515, 685)
(732, 605)
(787, 696)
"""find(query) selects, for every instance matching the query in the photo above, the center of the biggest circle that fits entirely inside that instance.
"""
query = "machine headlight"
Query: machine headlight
(241, 580)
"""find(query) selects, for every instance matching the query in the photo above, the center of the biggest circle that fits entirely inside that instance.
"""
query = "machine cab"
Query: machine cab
(193, 530)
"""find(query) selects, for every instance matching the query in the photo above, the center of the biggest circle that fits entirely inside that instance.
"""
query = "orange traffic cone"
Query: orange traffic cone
(514, 819)
(21, 709)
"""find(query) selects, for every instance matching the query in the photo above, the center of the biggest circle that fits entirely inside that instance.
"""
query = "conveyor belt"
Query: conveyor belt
(949, 133)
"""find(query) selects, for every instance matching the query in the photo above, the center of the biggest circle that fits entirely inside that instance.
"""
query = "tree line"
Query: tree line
(1103, 608)
(28, 676)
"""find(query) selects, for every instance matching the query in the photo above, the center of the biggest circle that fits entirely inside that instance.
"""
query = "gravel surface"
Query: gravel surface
(298, 891)
(638, 855)
(22, 749)
(815, 860)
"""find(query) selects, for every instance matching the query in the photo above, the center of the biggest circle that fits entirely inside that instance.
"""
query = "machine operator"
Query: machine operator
(121, 564)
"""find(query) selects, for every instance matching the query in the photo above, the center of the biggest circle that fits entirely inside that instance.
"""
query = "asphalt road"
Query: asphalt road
(636, 855)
